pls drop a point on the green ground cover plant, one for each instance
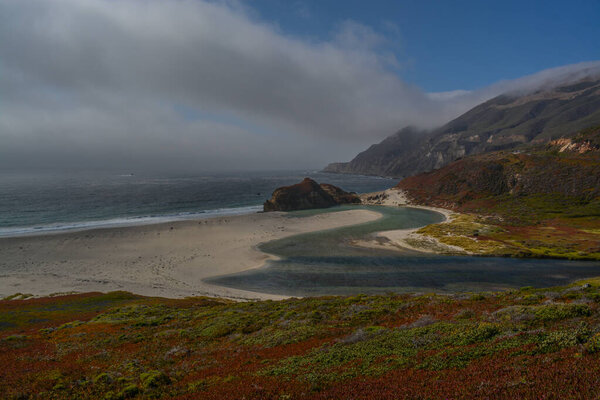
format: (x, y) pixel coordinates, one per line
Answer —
(121, 346)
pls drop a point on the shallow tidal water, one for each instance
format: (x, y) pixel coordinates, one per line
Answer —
(325, 263)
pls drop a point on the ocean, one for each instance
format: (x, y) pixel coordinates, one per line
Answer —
(44, 202)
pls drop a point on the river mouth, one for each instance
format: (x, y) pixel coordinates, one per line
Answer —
(326, 263)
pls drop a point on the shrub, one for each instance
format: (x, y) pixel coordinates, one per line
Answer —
(477, 333)
(557, 340)
(358, 335)
(593, 345)
(594, 296)
(515, 313)
(532, 298)
(15, 337)
(556, 312)
(71, 324)
(452, 359)
(103, 378)
(467, 313)
(154, 379)
(423, 321)
(217, 330)
(128, 392)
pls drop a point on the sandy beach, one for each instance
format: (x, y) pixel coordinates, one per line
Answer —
(168, 260)
(399, 239)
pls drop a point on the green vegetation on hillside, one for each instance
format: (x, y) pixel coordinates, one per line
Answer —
(540, 202)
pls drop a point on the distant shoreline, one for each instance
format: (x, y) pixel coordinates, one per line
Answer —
(81, 226)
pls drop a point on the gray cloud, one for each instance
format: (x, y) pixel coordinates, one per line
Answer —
(195, 84)
(547, 79)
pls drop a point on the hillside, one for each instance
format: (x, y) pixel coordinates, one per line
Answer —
(383, 158)
(565, 167)
(508, 121)
(465, 346)
(542, 201)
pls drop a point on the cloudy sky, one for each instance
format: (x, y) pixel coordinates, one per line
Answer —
(209, 85)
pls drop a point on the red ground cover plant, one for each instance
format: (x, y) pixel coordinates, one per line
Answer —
(528, 343)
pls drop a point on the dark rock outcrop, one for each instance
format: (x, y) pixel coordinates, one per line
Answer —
(308, 194)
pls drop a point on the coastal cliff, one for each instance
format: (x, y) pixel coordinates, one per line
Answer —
(539, 202)
(566, 167)
(308, 194)
(507, 122)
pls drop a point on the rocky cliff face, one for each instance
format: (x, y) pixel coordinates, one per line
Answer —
(509, 121)
(569, 168)
(385, 158)
(308, 194)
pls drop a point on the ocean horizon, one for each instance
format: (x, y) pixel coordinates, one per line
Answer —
(47, 202)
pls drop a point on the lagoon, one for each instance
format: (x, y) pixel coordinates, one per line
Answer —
(326, 263)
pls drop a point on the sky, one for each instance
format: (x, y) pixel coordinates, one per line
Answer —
(226, 85)
(458, 44)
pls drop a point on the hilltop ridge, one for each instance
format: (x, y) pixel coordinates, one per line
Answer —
(510, 121)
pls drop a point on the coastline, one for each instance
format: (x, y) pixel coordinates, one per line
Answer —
(406, 239)
(469, 234)
(125, 222)
(169, 259)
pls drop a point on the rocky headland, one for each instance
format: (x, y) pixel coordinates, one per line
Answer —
(308, 194)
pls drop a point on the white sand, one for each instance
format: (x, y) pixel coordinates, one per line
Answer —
(401, 239)
(389, 197)
(168, 260)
